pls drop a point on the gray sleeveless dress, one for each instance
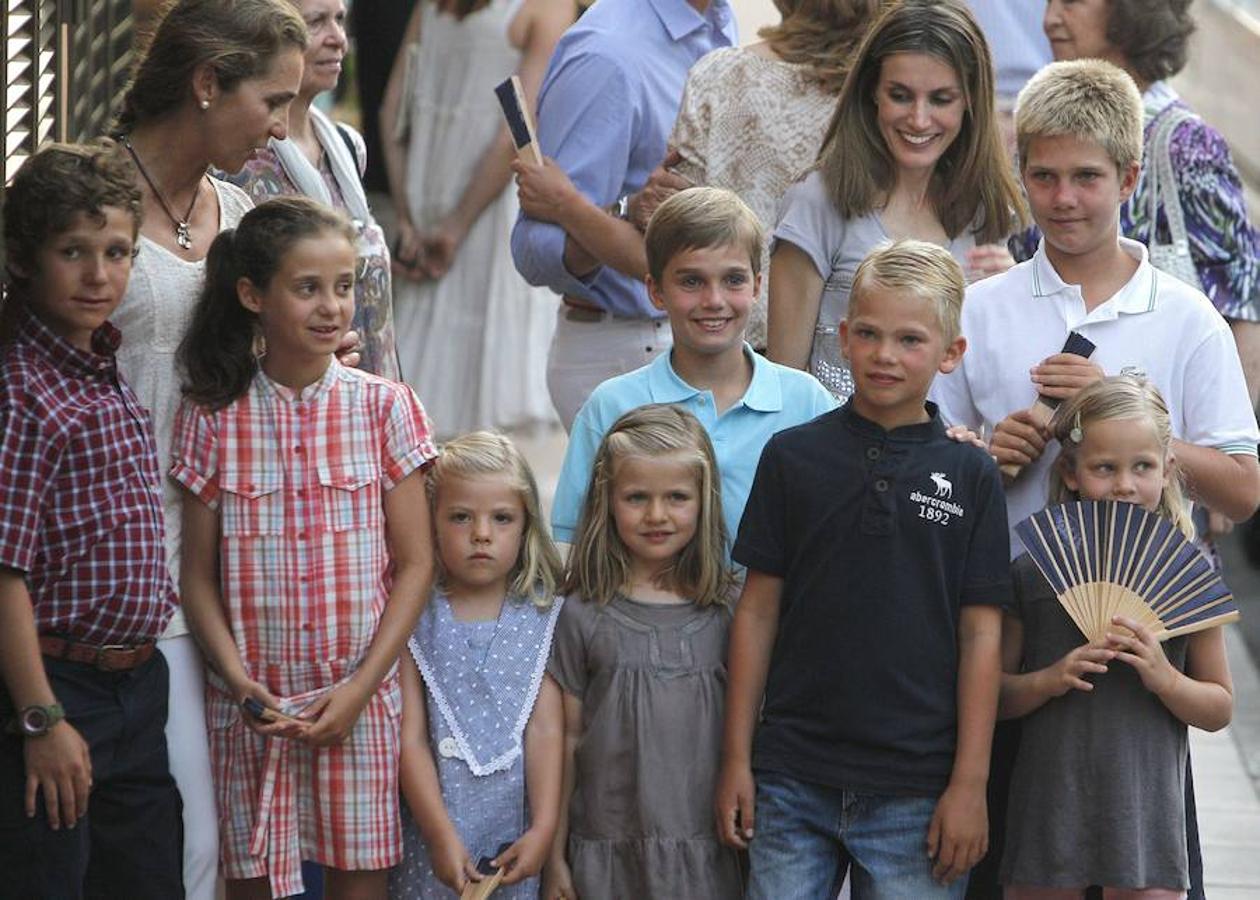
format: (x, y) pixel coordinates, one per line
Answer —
(481, 680)
(809, 220)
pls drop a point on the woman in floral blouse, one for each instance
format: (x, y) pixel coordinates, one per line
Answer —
(324, 160)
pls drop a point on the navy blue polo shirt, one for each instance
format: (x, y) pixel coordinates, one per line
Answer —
(880, 538)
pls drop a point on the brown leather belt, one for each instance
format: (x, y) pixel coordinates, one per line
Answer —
(107, 658)
(576, 310)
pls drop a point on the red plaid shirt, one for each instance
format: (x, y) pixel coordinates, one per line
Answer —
(80, 493)
(298, 480)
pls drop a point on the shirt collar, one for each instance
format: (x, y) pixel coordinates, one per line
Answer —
(64, 356)
(1138, 295)
(764, 393)
(918, 433)
(681, 19)
(312, 391)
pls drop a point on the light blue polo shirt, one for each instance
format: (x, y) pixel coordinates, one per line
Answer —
(778, 397)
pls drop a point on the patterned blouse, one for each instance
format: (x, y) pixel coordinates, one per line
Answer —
(1224, 245)
(751, 125)
(264, 177)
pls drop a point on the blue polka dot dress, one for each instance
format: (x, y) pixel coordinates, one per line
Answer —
(481, 680)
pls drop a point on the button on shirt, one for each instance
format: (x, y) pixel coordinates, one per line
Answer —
(80, 494)
(777, 397)
(605, 111)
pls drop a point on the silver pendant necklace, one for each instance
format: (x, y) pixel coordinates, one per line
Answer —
(183, 233)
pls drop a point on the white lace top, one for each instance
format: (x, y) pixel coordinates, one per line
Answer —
(751, 125)
(153, 316)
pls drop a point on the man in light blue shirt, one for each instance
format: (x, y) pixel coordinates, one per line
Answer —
(605, 111)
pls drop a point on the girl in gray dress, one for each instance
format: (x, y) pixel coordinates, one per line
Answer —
(1097, 796)
(640, 653)
(482, 726)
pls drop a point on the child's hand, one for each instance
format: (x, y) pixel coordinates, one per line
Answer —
(961, 434)
(1068, 673)
(1017, 440)
(525, 858)
(1063, 374)
(544, 191)
(557, 881)
(734, 805)
(334, 715)
(451, 862)
(282, 728)
(958, 837)
(59, 764)
(1145, 654)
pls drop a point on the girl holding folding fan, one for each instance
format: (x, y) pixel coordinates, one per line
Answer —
(1097, 796)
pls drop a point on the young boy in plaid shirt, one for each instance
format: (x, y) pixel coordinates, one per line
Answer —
(87, 802)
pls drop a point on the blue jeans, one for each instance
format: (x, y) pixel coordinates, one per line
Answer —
(805, 835)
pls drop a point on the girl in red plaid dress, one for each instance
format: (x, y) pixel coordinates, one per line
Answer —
(306, 557)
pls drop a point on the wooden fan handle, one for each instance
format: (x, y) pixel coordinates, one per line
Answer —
(480, 890)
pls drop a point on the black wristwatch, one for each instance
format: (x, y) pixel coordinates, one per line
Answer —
(36, 721)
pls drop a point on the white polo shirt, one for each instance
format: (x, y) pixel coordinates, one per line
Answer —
(1155, 323)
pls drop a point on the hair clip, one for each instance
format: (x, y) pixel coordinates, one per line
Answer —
(1076, 435)
(1136, 372)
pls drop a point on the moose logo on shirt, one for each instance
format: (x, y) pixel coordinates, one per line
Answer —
(937, 507)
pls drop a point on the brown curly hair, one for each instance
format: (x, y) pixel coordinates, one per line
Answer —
(57, 183)
(1153, 35)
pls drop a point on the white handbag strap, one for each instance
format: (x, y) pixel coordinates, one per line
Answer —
(1163, 181)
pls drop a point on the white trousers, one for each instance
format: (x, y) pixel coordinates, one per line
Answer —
(591, 347)
(189, 750)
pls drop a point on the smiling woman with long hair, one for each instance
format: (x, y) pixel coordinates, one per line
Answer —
(912, 151)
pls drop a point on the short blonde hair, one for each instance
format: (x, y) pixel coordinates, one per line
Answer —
(699, 218)
(599, 564)
(538, 570)
(919, 268)
(1088, 99)
(1117, 397)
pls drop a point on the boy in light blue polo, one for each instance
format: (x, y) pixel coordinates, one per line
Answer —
(704, 257)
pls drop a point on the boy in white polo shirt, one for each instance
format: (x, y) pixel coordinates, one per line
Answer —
(1079, 132)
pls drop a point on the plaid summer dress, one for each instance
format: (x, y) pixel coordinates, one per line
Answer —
(298, 482)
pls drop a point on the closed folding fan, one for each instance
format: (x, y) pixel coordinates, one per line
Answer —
(1105, 559)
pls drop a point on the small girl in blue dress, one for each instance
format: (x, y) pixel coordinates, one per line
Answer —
(482, 725)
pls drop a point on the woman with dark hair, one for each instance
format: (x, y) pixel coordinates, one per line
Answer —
(752, 118)
(214, 83)
(913, 151)
(1197, 181)
(325, 160)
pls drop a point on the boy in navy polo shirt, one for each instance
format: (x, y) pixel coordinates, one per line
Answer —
(84, 590)
(870, 622)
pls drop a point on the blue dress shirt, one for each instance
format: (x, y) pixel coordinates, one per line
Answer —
(605, 111)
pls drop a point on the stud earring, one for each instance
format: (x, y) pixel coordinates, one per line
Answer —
(205, 104)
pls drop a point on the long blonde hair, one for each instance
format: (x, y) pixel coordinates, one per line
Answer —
(973, 183)
(599, 564)
(1127, 397)
(538, 570)
(821, 35)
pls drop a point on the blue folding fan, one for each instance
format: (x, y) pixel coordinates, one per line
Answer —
(1104, 559)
